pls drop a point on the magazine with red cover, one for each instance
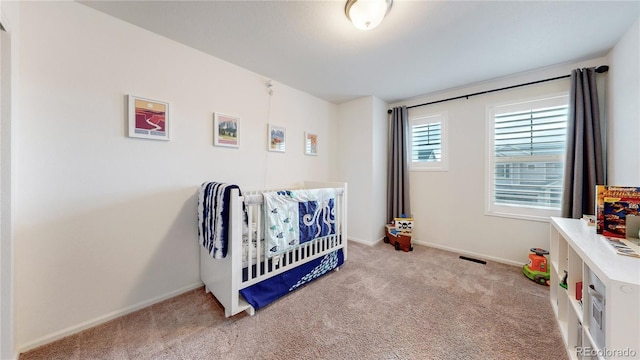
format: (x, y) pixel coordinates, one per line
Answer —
(618, 202)
(600, 190)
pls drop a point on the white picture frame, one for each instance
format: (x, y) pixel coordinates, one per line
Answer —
(310, 143)
(148, 119)
(226, 130)
(277, 138)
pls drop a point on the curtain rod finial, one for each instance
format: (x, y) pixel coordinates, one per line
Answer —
(602, 69)
(389, 111)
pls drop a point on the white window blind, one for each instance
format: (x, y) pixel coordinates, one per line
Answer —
(527, 157)
(427, 143)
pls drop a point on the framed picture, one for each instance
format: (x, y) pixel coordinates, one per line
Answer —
(310, 143)
(148, 119)
(226, 130)
(277, 138)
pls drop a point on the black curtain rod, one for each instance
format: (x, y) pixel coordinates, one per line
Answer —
(599, 69)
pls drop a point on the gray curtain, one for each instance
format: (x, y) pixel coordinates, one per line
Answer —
(584, 167)
(398, 167)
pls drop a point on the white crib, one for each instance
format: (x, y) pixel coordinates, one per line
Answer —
(224, 277)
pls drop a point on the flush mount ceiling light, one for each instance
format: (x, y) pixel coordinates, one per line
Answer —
(367, 14)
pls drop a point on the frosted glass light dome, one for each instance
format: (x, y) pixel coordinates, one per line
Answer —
(367, 14)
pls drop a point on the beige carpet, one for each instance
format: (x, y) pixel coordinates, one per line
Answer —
(382, 304)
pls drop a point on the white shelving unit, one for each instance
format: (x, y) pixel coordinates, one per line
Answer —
(606, 323)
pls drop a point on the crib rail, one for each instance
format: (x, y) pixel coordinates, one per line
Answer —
(256, 198)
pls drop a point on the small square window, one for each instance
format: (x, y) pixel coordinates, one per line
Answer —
(427, 143)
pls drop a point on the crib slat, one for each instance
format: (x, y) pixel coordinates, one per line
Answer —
(259, 264)
(250, 245)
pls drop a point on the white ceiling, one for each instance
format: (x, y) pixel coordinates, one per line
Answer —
(421, 47)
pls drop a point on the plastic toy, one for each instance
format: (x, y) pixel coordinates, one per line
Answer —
(404, 224)
(563, 282)
(400, 240)
(537, 269)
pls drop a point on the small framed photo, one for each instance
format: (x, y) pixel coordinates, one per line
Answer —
(277, 138)
(148, 119)
(226, 130)
(310, 143)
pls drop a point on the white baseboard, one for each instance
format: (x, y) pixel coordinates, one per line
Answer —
(360, 241)
(104, 318)
(468, 253)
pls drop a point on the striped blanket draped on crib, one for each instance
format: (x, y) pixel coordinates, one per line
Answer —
(213, 217)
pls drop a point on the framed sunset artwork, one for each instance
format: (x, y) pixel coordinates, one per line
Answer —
(148, 119)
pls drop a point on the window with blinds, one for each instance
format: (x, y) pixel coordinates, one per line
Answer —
(527, 154)
(427, 142)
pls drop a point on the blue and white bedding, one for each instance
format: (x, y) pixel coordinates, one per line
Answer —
(269, 290)
(295, 217)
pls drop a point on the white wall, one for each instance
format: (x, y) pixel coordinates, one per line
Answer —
(449, 206)
(362, 143)
(355, 138)
(8, 64)
(624, 110)
(6, 245)
(379, 152)
(105, 223)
